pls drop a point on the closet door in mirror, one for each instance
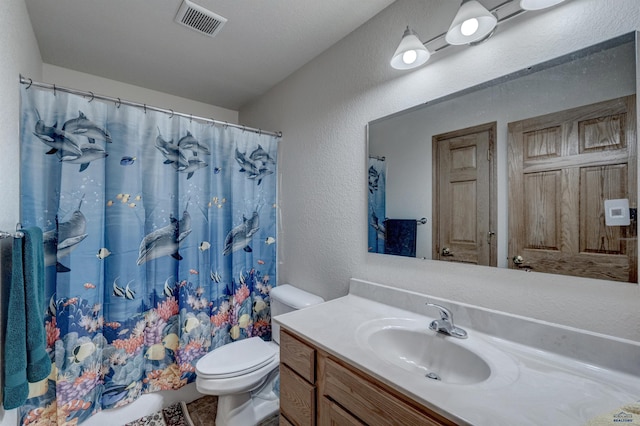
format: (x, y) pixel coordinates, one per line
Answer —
(562, 166)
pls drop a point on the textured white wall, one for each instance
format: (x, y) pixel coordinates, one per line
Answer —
(19, 54)
(78, 80)
(323, 109)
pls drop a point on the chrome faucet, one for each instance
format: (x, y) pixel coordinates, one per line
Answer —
(445, 324)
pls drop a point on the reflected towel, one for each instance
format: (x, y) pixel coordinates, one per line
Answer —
(25, 356)
(400, 237)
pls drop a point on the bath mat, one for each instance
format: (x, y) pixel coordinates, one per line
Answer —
(174, 415)
(201, 412)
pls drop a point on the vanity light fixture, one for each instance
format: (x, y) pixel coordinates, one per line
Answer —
(411, 53)
(472, 25)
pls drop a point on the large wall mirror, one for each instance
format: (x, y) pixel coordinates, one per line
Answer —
(534, 171)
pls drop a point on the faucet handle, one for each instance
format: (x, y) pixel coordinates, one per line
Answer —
(445, 314)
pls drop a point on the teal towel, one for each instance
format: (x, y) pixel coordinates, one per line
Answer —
(25, 356)
(16, 388)
(38, 362)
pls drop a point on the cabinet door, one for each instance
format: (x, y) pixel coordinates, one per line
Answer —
(297, 398)
(331, 414)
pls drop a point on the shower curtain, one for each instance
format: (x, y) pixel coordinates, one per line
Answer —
(159, 240)
(377, 206)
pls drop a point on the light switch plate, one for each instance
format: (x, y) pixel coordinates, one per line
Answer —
(616, 212)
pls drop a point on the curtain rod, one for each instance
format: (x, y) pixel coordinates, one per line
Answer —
(29, 82)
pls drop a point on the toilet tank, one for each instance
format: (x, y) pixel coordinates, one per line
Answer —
(286, 298)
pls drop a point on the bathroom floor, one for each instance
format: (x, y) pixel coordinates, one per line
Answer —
(203, 412)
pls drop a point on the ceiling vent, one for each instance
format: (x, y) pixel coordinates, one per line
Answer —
(199, 19)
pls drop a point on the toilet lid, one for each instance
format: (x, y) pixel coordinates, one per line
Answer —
(236, 358)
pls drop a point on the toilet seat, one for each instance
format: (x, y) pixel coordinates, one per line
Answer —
(236, 359)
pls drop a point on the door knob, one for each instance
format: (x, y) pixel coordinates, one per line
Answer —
(446, 251)
(518, 260)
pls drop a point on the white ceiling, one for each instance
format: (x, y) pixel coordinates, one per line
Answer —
(137, 42)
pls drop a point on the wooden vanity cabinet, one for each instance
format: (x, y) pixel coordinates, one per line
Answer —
(319, 389)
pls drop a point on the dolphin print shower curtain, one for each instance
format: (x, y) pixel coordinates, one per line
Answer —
(377, 204)
(159, 246)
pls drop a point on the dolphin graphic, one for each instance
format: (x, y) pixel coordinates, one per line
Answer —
(171, 152)
(59, 242)
(259, 154)
(166, 240)
(253, 169)
(193, 165)
(378, 226)
(57, 139)
(374, 176)
(190, 143)
(240, 236)
(82, 126)
(90, 152)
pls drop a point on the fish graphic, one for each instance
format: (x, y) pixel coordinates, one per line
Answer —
(102, 253)
(215, 277)
(204, 245)
(269, 240)
(82, 126)
(128, 293)
(189, 143)
(155, 352)
(240, 236)
(166, 240)
(167, 290)
(82, 352)
(117, 290)
(190, 323)
(57, 139)
(171, 341)
(59, 242)
(127, 161)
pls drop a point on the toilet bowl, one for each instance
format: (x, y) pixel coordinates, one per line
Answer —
(244, 374)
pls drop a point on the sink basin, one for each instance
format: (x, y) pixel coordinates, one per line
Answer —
(433, 356)
(418, 353)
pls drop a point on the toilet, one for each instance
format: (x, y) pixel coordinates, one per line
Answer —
(243, 373)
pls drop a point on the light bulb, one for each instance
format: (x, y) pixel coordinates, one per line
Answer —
(469, 27)
(409, 57)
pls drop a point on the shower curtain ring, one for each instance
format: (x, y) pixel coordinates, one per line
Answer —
(119, 103)
(171, 116)
(226, 124)
(244, 128)
(190, 118)
(54, 90)
(259, 132)
(145, 108)
(92, 97)
(30, 83)
(213, 122)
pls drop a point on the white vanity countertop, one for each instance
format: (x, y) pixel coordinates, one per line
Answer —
(538, 387)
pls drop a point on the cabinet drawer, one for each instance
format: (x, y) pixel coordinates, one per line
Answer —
(332, 414)
(284, 421)
(299, 356)
(297, 398)
(371, 402)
